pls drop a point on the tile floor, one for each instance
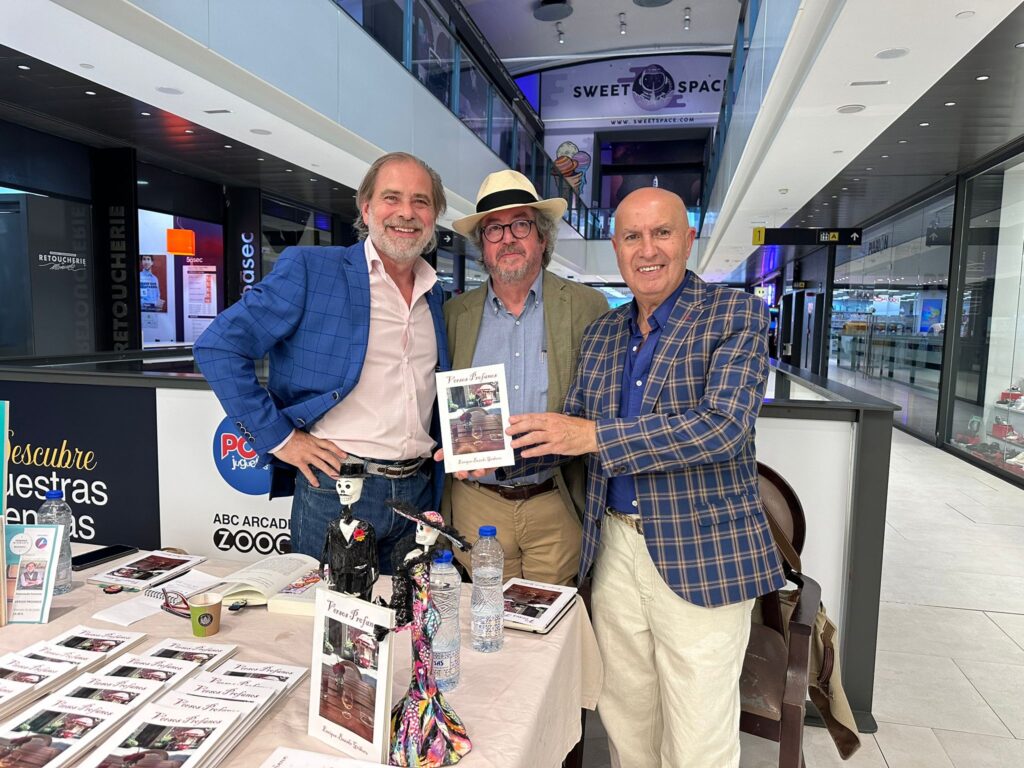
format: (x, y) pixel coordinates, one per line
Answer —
(949, 679)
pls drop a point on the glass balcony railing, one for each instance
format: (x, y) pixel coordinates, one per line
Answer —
(428, 42)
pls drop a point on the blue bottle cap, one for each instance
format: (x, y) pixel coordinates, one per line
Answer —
(54, 495)
(444, 556)
(488, 530)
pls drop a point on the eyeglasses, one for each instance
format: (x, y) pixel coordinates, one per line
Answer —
(176, 603)
(520, 228)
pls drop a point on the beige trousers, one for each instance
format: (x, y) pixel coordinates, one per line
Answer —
(539, 536)
(671, 668)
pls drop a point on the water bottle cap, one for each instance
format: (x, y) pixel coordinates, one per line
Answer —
(444, 556)
(488, 530)
(54, 495)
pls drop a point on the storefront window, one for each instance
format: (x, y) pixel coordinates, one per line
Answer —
(473, 95)
(383, 19)
(287, 224)
(889, 311)
(988, 408)
(432, 51)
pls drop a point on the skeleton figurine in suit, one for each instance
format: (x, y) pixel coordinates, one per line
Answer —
(350, 547)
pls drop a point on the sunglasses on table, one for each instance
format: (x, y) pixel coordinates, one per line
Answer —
(175, 603)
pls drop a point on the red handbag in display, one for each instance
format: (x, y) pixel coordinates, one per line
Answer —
(1001, 430)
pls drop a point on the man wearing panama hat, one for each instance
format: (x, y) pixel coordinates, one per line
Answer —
(531, 321)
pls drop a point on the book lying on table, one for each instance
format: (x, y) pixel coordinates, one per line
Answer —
(125, 691)
(170, 671)
(146, 569)
(297, 598)
(261, 581)
(91, 647)
(533, 606)
(287, 757)
(285, 673)
(57, 731)
(26, 679)
(207, 655)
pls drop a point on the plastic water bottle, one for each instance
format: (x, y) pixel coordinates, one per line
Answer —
(55, 511)
(488, 605)
(445, 588)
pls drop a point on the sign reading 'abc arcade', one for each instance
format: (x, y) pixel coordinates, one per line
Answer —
(647, 91)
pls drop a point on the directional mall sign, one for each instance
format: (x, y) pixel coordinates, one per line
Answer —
(768, 236)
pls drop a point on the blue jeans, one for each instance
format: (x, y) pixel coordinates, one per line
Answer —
(313, 508)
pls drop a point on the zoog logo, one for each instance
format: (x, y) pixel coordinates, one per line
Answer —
(236, 461)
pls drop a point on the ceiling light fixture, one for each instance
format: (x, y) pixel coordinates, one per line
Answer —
(1019, 45)
(924, 125)
(963, 15)
(141, 182)
(686, 18)
(259, 131)
(312, 179)
(84, 65)
(287, 170)
(189, 131)
(981, 78)
(622, 23)
(145, 114)
(850, 109)
(885, 157)
(902, 141)
(862, 83)
(837, 151)
(552, 10)
(170, 91)
(949, 104)
(651, 3)
(869, 168)
(90, 93)
(561, 34)
(892, 53)
(24, 67)
(261, 159)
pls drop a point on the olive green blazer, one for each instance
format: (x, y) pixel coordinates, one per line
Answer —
(569, 308)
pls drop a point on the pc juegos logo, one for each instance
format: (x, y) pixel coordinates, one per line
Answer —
(236, 461)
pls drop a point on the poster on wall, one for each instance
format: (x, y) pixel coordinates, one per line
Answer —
(152, 280)
(96, 444)
(655, 91)
(200, 299)
(223, 510)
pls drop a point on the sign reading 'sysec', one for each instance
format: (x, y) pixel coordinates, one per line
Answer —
(97, 445)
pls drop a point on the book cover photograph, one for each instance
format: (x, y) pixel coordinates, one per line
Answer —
(124, 691)
(534, 605)
(148, 569)
(55, 731)
(350, 686)
(150, 668)
(474, 419)
(208, 655)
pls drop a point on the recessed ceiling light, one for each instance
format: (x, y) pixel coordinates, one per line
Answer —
(1019, 45)
(24, 67)
(837, 151)
(145, 114)
(90, 93)
(924, 125)
(259, 131)
(902, 141)
(314, 165)
(287, 170)
(261, 159)
(189, 130)
(869, 169)
(884, 157)
(227, 146)
(892, 53)
(334, 188)
(169, 90)
(84, 65)
(981, 78)
(824, 203)
(783, 190)
(963, 15)
(850, 109)
(843, 189)
(856, 179)
(142, 182)
(862, 83)
(949, 104)
(312, 179)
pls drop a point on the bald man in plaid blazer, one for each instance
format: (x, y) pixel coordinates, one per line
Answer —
(663, 404)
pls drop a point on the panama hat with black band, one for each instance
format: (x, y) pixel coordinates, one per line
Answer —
(503, 190)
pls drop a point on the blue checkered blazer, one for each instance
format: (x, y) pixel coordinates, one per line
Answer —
(311, 315)
(691, 451)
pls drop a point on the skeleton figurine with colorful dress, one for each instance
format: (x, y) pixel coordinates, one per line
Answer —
(425, 731)
(350, 547)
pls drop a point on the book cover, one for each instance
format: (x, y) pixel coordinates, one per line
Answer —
(207, 655)
(30, 566)
(474, 418)
(123, 691)
(297, 598)
(147, 569)
(169, 671)
(107, 642)
(350, 686)
(56, 731)
(286, 673)
(535, 606)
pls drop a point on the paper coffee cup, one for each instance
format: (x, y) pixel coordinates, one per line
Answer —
(205, 611)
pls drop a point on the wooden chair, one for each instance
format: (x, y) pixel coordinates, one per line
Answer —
(773, 685)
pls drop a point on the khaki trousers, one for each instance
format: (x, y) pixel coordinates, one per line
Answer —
(671, 668)
(540, 537)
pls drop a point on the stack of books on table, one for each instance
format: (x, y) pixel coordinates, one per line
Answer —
(24, 679)
(198, 723)
(85, 647)
(206, 655)
(58, 730)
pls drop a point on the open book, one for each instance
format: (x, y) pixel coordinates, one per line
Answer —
(259, 582)
(534, 606)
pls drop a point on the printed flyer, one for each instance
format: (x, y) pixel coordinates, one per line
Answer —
(30, 565)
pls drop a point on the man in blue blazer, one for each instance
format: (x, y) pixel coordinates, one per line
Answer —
(354, 336)
(663, 406)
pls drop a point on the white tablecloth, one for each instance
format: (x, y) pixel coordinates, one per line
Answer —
(521, 706)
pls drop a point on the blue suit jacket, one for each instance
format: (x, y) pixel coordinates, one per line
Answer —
(691, 452)
(311, 315)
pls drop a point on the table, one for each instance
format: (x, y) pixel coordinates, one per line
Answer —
(521, 706)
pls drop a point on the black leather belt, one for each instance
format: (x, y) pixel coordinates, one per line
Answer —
(519, 492)
(393, 470)
(633, 521)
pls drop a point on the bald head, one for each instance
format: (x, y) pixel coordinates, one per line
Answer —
(652, 243)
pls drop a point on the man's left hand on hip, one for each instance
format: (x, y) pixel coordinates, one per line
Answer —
(542, 434)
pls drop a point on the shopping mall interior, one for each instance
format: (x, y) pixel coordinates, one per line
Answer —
(853, 163)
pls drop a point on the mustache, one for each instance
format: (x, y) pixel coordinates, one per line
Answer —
(505, 250)
(398, 221)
